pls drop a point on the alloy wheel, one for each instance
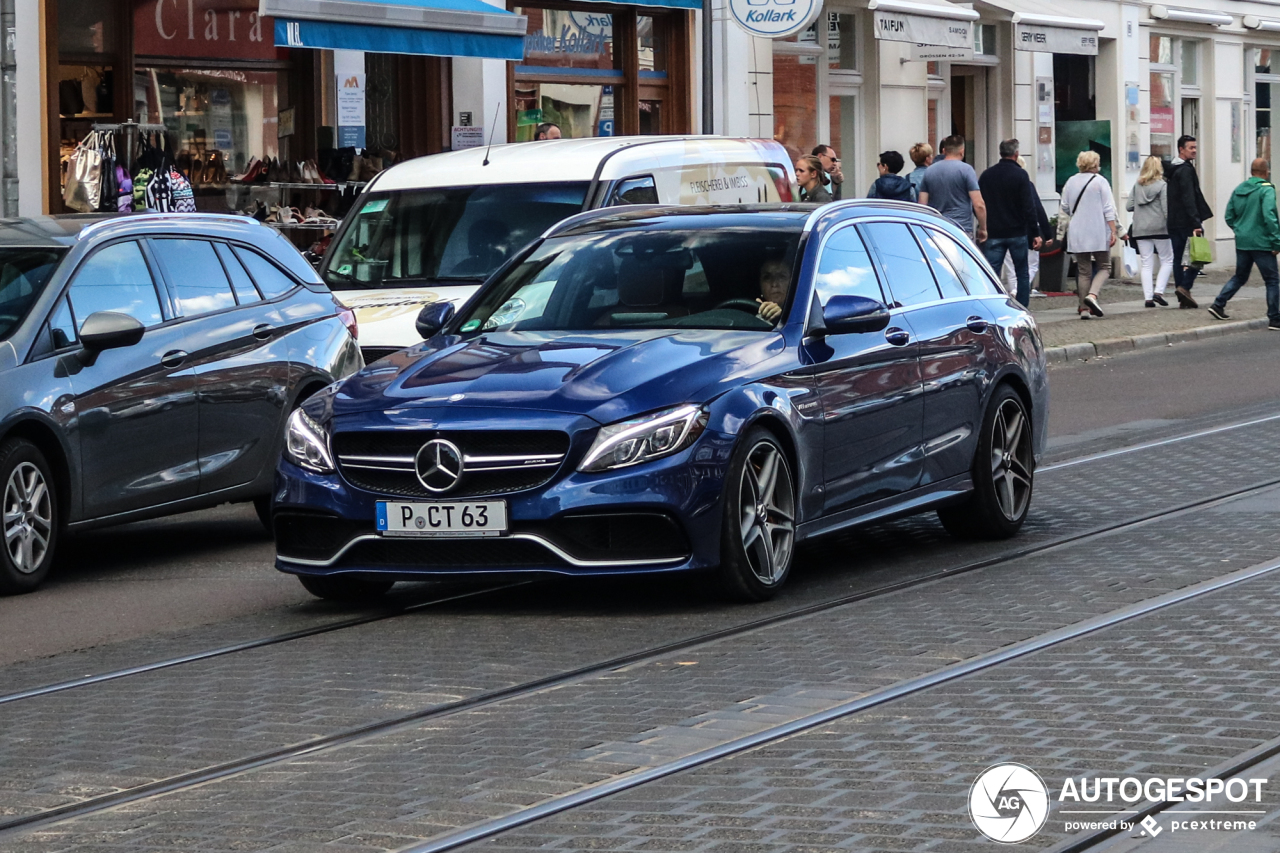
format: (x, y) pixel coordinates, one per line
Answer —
(767, 512)
(28, 517)
(1011, 459)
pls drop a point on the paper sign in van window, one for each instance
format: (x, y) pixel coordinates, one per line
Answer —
(376, 206)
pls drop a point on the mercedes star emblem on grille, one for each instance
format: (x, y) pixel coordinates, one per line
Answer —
(438, 465)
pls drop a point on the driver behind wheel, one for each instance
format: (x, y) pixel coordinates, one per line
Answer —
(775, 280)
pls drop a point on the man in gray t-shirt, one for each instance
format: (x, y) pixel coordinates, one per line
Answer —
(950, 186)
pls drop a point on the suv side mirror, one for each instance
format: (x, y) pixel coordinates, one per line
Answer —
(845, 315)
(432, 318)
(104, 330)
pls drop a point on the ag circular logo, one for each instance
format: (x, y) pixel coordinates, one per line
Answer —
(1008, 803)
(438, 465)
(775, 19)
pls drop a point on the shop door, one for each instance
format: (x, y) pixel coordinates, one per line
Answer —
(1191, 117)
(969, 112)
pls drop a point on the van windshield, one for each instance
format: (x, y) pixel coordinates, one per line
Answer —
(412, 238)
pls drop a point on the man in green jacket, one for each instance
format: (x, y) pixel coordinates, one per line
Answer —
(1251, 214)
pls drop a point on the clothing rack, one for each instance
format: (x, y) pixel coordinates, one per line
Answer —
(130, 129)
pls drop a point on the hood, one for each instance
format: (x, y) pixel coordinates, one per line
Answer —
(607, 375)
(1249, 187)
(1144, 193)
(892, 185)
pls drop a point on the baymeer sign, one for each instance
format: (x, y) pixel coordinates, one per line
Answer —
(774, 19)
(1055, 40)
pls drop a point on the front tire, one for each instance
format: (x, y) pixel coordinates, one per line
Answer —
(30, 517)
(1003, 474)
(345, 589)
(757, 542)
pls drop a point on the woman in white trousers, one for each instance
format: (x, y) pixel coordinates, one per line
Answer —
(1149, 203)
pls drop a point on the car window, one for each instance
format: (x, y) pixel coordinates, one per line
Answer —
(845, 269)
(197, 281)
(635, 191)
(948, 281)
(269, 277)
(62, 326)
(240, 281)
(116, 278)
(909, 278)
(971, 272)
(23, 275)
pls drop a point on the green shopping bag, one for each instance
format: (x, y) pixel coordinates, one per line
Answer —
(1201, 254)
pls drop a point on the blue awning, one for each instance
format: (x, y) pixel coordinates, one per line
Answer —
(425, 27)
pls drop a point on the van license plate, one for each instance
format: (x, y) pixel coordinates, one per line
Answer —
(453, 520)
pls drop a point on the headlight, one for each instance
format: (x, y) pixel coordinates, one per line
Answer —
(306, 443)
(642, 439)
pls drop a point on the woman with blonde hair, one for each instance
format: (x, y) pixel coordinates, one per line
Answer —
(1149, 203)
(922, 155)
(1087, 203)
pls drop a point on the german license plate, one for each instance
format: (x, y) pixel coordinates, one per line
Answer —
(454, 520)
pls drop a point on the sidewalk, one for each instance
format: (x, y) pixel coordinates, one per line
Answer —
(1128, 325)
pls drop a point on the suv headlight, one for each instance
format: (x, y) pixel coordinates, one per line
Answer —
(644, 439)
(306, 443)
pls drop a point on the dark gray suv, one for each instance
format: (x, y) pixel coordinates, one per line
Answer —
(147, 366)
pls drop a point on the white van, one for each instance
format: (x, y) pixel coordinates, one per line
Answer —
(434, 228)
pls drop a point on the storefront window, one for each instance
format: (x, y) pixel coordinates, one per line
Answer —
(795, 99)
(649, 47)
(563, 47)
(86, 27)
(1266, 90)
(219, 119)
(842, 47)
(844, 114)
(1162, 118)
(1161, 50)
(1190, 65)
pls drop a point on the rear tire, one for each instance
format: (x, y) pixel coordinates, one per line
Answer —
(757, 542)
(339, 588)
(30, 522)
(1003, 474)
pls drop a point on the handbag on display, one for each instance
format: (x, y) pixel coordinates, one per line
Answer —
(124, 190)
(1064, 216)
(84, 176)
(181, 193)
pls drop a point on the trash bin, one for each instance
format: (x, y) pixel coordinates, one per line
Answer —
(1053, 269)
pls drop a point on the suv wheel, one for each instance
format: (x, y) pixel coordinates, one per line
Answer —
(30, 517)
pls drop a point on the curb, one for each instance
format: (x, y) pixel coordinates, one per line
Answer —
(1116, 346)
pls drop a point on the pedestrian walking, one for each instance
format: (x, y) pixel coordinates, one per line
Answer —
(1187, 212)
(546, 130)
(950, 186)
(1012, 225)
(890, 184)
(922, 155)
(1149, 204)
(1086, 200)
(809, 177)
(832, 176)
(1251, 214)
(1033, 256)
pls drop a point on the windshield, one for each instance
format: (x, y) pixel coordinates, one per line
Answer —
(23, 275)
(728, 278)
(415, 237)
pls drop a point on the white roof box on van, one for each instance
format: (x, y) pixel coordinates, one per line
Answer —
(607, 158)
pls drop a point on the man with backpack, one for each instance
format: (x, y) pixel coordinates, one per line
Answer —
(1251, 214)
(1187, 212)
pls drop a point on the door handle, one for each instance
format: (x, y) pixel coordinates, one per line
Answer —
(174, 358)
(897, 337)
(976, 324)
(263, 331)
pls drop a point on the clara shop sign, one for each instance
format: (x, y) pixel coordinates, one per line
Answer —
(203, 29)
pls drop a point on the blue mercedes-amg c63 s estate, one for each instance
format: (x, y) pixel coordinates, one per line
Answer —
(676, 389)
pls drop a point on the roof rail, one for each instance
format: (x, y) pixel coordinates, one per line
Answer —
(832, 207)
(106, 224)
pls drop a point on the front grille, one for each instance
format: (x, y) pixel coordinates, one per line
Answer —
(313, 536)
(496, 463)
(620, 536)
(372, 354)
(446, 554)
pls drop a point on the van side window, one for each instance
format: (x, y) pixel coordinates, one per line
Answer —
(635, 191)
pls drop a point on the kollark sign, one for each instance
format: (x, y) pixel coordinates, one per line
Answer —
(775, 19)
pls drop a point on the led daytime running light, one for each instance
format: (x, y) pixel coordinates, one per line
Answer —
(307, 443)
(637, 435)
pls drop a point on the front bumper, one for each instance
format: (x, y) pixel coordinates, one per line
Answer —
(660, 516)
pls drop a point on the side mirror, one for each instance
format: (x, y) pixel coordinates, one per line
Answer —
(432, 318)
(104, 330)
(846, 315)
